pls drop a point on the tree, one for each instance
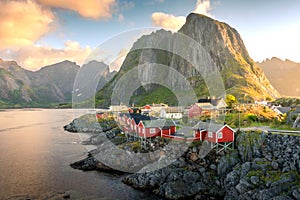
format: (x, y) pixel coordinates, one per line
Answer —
(230, 100)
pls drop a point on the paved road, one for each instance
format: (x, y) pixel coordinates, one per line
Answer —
(268, 129)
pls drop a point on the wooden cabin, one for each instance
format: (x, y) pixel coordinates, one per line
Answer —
(220, 136)
(154, 128)
(216, 133)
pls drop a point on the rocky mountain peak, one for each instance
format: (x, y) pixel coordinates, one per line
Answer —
(221, 40)
(241, 75)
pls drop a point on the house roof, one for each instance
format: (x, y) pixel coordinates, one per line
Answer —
(158, 123)
(138, 117)
(214, 102)
(147, 107)
(213, 127)
(205, 105)
(160, 105)
(284, 109)
(178, 109)
(204, 100)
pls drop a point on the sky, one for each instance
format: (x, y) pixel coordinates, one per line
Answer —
(37, 33)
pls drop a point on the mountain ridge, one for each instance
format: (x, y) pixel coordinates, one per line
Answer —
(283, 74)
(52, 84)
(241, 75)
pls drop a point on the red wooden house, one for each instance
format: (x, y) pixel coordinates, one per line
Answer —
(100, 115)
(154, 128)
(131, 121)
(198, 109)
(146, 109)
(217, 134)
(194, 111)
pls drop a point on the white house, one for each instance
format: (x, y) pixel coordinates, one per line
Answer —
(172, 112)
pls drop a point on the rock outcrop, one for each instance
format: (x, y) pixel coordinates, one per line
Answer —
(261, 166)
(266, 168)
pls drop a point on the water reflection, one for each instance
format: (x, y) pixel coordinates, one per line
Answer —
(35, 154)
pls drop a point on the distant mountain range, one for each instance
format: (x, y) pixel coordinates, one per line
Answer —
(242, 77)
(51, 85)
(283, 75)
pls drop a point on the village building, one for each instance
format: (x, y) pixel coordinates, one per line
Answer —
(145, 126)
(282, 110)
(263, 103)
(172, 112)
(101, 115)
(194, 111)
(200, 109)
(146, 109)
(220, 136)
(156, 108)
(118, 108)
(155, 128)
(219, 103)
(207, 107)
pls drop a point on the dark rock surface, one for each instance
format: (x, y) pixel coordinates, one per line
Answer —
(262, 166)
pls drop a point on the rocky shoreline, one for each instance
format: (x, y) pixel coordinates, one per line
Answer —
(262, 166)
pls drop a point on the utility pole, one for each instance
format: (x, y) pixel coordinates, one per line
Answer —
(239, 117)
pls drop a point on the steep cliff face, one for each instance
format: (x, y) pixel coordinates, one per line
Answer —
(14, 84)
(218, 41)
(241, 75)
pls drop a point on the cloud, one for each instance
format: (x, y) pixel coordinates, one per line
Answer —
(95, 9)
(170, 21)
(203, 7)
(34, 57)
(22, 23)
(167, 21)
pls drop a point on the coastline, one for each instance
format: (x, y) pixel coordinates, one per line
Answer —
(258, 168)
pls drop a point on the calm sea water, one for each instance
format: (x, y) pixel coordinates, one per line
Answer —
(35, 154)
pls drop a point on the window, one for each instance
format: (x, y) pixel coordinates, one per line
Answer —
(220, 135)
(152, 130)
(210, 134)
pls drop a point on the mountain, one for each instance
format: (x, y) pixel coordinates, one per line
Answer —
(241, 76)
(284, 75)
(54, 83)
(14, 84)
(51, 84)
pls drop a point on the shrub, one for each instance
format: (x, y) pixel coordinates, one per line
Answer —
(252, 117)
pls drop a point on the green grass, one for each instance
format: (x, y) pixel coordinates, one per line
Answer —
(159, 95)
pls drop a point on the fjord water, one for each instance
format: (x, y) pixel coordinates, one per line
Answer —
(35, 154)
